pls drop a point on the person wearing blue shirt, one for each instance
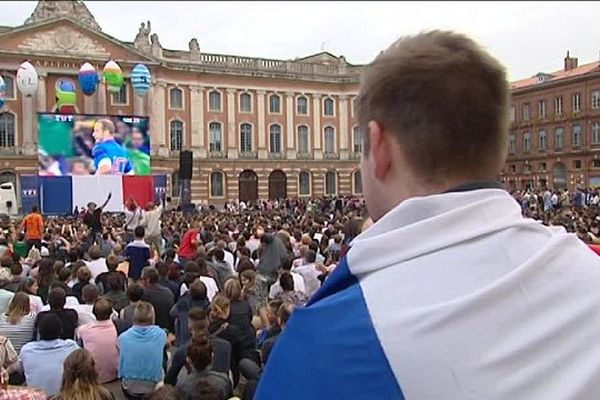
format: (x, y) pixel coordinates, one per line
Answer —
(110, 158)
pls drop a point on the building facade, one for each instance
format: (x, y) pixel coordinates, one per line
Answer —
(258, 128)
(554, 138)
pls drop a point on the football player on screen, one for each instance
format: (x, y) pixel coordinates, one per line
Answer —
(110, 158)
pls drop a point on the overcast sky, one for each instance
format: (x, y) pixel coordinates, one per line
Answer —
(528, 37)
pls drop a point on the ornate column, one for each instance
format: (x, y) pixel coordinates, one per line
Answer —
(41, 93)
(316, 131)
(263, 151)
(101, 98)
(344, 133)
(232, 149)
(138, 104)
(158, 124)
(27, 114)
(289, 122)
(197, 117)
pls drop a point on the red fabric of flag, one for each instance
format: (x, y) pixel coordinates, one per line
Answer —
(138, 188)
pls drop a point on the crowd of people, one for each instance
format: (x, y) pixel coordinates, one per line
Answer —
(157, 299)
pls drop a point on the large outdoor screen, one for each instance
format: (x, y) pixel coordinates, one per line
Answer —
(93, 145)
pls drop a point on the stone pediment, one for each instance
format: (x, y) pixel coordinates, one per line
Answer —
(63, 40)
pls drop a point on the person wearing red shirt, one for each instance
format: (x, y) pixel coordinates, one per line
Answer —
(189, 246)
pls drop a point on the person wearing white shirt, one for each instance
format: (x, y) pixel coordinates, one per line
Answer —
(211, 287)
(97, 264)
(309, 272)
(299, 285)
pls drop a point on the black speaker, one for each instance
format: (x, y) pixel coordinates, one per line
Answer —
(185, 164)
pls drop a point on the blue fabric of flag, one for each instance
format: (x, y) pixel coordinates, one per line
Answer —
(29, 193)
(56, 194)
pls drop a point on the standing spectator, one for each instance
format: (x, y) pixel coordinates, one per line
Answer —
(43, 360)
(18, 322)
(189, 245)
(151, 222)
(100, 339)
(273, 254)
(33, 225)
(138, 254)
(93, 219)
(133, 219)
(68, 317)
(80, 379)
(141, 353)
(159, 296)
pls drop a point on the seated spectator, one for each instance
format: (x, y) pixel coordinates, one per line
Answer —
(240, 313)
(310, 273)
(97, 263)
(84, 311)
(68, 317)
(18, 323)
(195, 297)
(165, 392)
(272, 328)
(116, 294)
(30, 287)
(141, 353)
(80, 379)
(286, 267)
(288, 294)
(218, 263)
(70, 302)
(159, 296)
(134, 295)
(112, 263)
(43, 360)
(163, 279)
(5, 295)
(247, 278)
(45, 277)
(84, 277)
(16, 271)
(198, 323)
(200, 357)
(195, 270)
(138, 254)
(100, 339)
(20, 246)
(9, 359)
(283, 315)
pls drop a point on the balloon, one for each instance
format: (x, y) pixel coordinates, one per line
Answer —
(88, 79)
(141, 79)
(27, 79)
(113, 76)
(66, 96)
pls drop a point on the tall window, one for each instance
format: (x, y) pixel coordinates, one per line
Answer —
(120, 98)
(596, 133)
(328, 107)
(526, 112)
(542, 144)
(214, 101)
(329, 140)
(302, 139)
(542, 109)
(176, 98)
(513, 113)
(559, 137)
(595, 98)
(275, 104)
(275, 139)
(246, 102)
(304, 183)
(527, 141)
(330, 183)
(558, 105)
(217, 184)
(176, 135)
(216, 136)
(357, 139)
(7, 130)
(302, 105)
(576, 102)
(576, 135)
(357, 178)
(10, 87)
(245, 137)
(512, 143)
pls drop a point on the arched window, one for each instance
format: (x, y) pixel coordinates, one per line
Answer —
(329, 140)
(275, 139)
(559, 136)
(275, 104)
(246, 102)
(214, 101)
(7, 130)
(303, 139)
(176, 135)
(330, 183)
(357, 139)
(357, 179)
(176, 99)
(245, 137)
(304, 183)
(9, 80)
(328, 107)
(217, 184)
(216, 136)
(175, 184)
(302, 105)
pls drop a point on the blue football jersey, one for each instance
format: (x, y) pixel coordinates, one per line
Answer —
(113, 152)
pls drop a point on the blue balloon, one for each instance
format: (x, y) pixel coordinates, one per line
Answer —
(88, 79)
(141, 80)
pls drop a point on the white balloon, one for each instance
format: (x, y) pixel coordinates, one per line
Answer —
(27, 79)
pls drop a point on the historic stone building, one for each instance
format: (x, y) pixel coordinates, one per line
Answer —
(257, 127)
(554, 139)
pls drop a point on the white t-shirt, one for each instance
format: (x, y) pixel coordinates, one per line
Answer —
(211, 287)
(97, 266)
(298, 286)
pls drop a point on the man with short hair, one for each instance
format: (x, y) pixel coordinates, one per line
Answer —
(151, 221)
(194, 297)
(56, 299)
(93, 220)
(43, 360)
(33, 225)
(110, 157)
(100, 339)
(138, 254)
(159, 296)
(453, 293)
(286, 267)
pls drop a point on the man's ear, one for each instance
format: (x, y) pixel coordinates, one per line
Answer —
(380, 149)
